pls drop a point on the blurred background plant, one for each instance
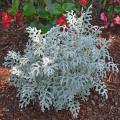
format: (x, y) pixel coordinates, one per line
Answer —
(106, 13)
(110, 13)
(1, 3)
(44, 14)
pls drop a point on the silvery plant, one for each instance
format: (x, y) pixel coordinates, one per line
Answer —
(62, 65)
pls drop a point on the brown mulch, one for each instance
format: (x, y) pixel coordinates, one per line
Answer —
(12, 40)
(96, 108)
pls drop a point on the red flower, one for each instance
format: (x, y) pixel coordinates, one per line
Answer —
(6, 20)
(83, 2)
(61, 20)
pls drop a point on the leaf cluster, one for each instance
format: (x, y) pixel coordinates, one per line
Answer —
(42, 13)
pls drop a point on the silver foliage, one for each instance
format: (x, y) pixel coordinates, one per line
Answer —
(61, 65)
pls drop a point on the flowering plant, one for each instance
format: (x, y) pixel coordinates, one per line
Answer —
(61, 20)
(43, 14)
(83, 2)
(6, 20)
(110, 14)
(60, 66)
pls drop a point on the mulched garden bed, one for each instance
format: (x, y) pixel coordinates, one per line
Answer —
(96, 108)
(12, 40)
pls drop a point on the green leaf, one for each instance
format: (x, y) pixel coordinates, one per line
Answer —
(33, 23)
(47, 2)
(54, 9)
(28, 9)
(68, 1)
(44, 28)
(14, 9)
(64, 1)
(110, 9)
(104, 3)
(68, 6)
(1, 2)
(117, 9)
(38, 25)
(43, 13)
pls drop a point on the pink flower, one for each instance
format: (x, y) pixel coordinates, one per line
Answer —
(116, 20)
(103, 17)
(112, 24)
(106, 25)
(116, 0)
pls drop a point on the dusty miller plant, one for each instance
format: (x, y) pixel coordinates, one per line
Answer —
(61, 65)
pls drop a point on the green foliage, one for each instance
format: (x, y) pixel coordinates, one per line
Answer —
(2, 3)
(117, 9)
(59, 66)
(54, 9)
(42, 12)
(68, 6)
(47, 10)
(29, 9)
(15, 6)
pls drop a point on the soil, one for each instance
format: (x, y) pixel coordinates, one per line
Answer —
(96, 108)
(12, 40)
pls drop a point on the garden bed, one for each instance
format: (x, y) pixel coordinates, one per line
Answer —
(12, 40)
(96, 108)
(15, 38)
